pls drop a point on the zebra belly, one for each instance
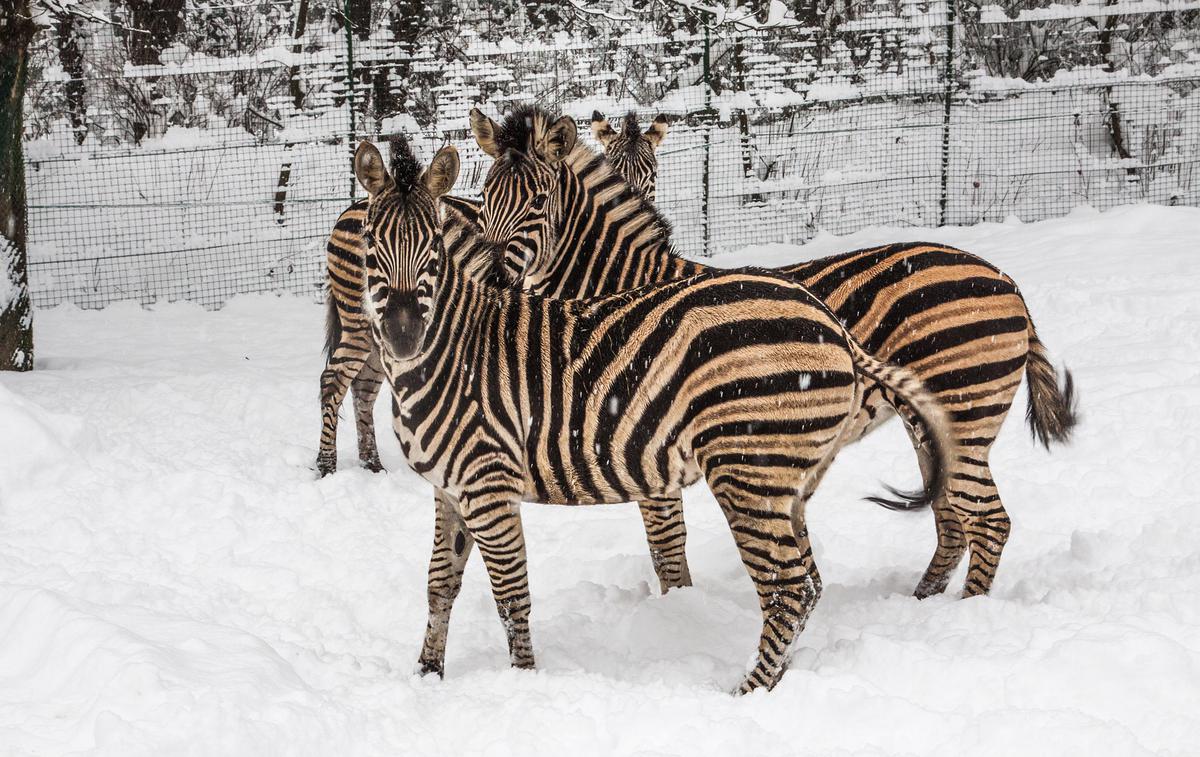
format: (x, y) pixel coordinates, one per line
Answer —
(589, 480)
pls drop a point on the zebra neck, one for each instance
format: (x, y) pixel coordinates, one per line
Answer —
(609, 238)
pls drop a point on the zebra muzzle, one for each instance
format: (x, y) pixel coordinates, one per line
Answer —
(402, 326)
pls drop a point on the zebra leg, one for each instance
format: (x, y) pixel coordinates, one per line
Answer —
(493, 518)
(986, 525)
(765, 530)
(666, 534)
(365, 389)
(342, 366)
(452, 545)
(951, 542)
(973, 495)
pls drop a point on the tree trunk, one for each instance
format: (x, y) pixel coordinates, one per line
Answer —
(298, 26)
(70, 56)
(285, 170)
(16, 314)
(1112, 110)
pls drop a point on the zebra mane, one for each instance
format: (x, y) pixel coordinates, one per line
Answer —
(519, 125)
(405, 168)
(515, 138)
(632, 129)
(583, 161)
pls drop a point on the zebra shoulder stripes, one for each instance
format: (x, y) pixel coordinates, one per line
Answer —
(632, 152)
(500, 396)
(570, 226)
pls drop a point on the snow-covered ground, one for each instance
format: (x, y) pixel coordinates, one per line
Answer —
(174, 579)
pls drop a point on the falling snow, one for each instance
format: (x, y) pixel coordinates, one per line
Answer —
(175, 579)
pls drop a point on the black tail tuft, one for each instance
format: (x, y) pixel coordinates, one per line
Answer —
(597, 115)
(928, 425)
(1052, 413)
(917, 499)
(333, 326)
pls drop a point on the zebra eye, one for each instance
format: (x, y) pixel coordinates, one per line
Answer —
(539, 202)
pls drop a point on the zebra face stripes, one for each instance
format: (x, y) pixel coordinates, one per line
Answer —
(631, 151)
(400, 243)
(512, 397)
(623, 218)
(520, 216)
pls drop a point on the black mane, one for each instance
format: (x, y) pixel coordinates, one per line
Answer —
(516, 135)
(405, 168)
(632, 129)
(516, 132)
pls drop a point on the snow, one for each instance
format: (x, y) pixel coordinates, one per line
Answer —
(174, 579)
(995, 14)
(9, 289)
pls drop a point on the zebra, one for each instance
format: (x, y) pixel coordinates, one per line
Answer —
(500, 396)
(352, 365)
(571, 227)
(351, 360)
(631, 151)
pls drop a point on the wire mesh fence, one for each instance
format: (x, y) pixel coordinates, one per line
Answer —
(191, 150)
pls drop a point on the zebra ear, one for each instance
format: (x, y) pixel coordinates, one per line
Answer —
(559, 140)
(485, 130)
(657, 131)
(601, 130)
(443, 171)
(370, 170)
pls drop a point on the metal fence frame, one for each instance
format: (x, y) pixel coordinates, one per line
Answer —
(950, 111)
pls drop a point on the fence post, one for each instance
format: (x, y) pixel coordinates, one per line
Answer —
(948, 96)
(708, 121)
(350, 89)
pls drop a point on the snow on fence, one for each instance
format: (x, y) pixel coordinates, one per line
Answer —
(206, 170)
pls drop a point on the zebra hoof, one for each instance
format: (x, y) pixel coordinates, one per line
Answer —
(373, 465)
(931, 587)
(326, 464)
(748, 686)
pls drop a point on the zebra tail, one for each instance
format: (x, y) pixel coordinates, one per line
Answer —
(333, 326)
(1052, 413)
(906, 392)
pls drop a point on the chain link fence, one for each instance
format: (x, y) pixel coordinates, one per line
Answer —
(189, 150)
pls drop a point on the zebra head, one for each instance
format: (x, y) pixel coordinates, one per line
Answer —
(402, 241)
(521, 201)
(632, 151)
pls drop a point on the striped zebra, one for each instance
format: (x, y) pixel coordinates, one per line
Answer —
(501, 396)
(352, 365)
(631, 151)
(351, 360)
(571, 227)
